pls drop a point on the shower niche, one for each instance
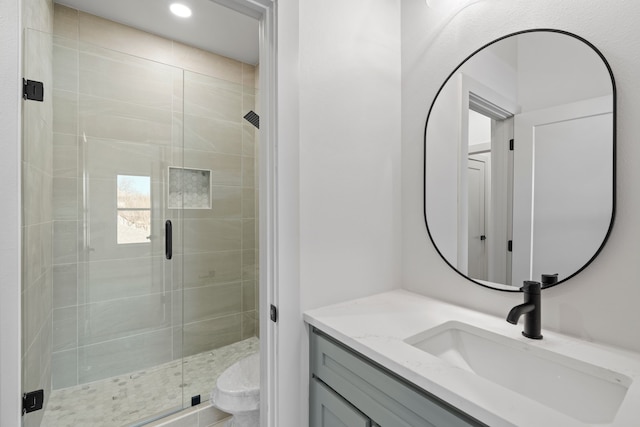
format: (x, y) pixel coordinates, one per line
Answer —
(189, 188)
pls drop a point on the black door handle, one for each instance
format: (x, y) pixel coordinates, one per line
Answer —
(168, 239)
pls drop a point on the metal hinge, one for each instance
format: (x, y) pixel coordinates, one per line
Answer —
(32, 401)
(511, 145)
(32, 90)
(274, 313)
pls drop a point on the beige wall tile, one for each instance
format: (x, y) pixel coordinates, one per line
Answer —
(225, 169)
(65, 22)
(211, 334)
(249, 295)
(38, 14)
(248, 102)
(33, 250)
(120, 356)
(248, 203)
(207, 235)
(35, 183)
(106, 159)
(34, 299)
(257, 78)
(109, 320)
(207, 268)
(209, 302)
(203, 62)
(122, 278)
(249, 264)
(209, 97)
(113, 75)
(121, 38)
(104, 118)
(65, 68)
(248, 140)
(65, 285)
(249, 76)
(226, 203)
(65, 242)
(65, 112)
(248, 324)
(65, 199)
(207, 134)
(248, 172)
(65, 325)
(248, 234)
(64, 369)
(65, 153)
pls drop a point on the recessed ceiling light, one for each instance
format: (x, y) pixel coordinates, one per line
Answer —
(180, 10)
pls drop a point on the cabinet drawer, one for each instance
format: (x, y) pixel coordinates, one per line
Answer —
(384, 397)
(327, 409)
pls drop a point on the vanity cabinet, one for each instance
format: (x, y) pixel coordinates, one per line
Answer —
(347, 389)
(331, 410)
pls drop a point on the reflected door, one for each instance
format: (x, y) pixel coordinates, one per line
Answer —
(477, 233)
(561, 192)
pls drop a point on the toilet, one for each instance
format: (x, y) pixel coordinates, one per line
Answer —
(237, 392)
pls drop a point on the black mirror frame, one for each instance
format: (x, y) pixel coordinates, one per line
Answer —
(614, 196)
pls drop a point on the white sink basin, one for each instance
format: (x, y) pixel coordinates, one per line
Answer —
(583, 391)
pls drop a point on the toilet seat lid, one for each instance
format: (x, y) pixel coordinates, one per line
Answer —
(241, 378)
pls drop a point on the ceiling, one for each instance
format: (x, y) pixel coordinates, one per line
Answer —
(212, 27)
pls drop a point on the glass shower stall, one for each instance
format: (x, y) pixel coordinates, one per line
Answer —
(139, 232)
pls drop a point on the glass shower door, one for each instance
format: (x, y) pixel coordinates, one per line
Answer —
(97, 159)
(129, 313)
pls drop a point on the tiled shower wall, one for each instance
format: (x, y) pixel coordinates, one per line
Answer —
(122, 102)
(37, 17)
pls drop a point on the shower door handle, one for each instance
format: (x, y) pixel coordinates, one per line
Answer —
(168, 239)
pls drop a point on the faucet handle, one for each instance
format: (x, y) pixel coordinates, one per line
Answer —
(531, 287)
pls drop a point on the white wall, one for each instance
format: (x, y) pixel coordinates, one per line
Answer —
(10, 101)
(548, 75)
(600, 303)
(288, 333)
(349, 149)
(349, 163)
(442, 175)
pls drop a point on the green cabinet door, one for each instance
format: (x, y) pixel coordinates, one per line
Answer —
(328, 409)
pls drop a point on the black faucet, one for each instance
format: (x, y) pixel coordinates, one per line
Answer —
(532, 310)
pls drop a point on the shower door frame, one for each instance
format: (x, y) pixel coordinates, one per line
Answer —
(271, 342)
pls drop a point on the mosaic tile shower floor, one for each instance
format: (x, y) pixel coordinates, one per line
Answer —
(126, 399)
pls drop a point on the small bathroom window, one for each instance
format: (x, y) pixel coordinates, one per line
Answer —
(133, 209)
(189, 188)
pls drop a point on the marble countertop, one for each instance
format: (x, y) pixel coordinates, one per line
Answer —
(377, 326)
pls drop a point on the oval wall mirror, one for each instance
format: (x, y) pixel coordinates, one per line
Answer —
(519, 168)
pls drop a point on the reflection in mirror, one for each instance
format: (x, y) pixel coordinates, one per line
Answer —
(519, 160)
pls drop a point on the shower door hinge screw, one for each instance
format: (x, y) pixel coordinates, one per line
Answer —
(274, 313)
